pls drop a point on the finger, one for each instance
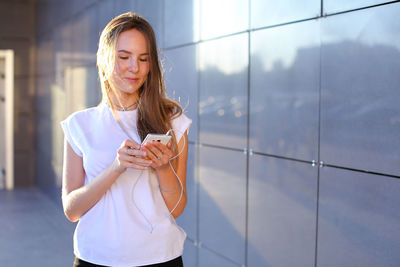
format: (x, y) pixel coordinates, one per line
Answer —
(135, 152)
(133, 165)
(151, 154)
(151, 159)
(130, 151)
(158, 159)
(131, 143)
(124, 158)
(138, 166)
(157, 147)
(163, 149)
(151, 148)
(142, 161)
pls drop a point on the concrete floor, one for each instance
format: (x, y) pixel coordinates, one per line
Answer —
(33, 231)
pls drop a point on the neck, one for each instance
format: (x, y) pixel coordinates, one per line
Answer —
(124, 102)
(125, 108)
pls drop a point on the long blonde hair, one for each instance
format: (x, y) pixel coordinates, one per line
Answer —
(155, 110)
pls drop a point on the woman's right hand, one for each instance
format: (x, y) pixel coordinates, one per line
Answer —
(130, 155)
(79, 197)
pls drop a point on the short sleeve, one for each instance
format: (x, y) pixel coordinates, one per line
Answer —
(71, 135)
(180, 125)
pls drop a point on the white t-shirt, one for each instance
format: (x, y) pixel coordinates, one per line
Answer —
(117, 231)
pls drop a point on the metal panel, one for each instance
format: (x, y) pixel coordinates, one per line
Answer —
(223, 91)
(85, 35)
(360, 122)
(152, 10)
(44, 59)
(106, 13)
(359, 219)
(208, 259)
(333, 6)
(284, 93)
(188, 219)
(271, 12)
(282, 212)
(17, 19)
(93, 36)
(123, 6)
(77, 5)
(190, 254)
(222, 202)
(219, 18)
(182, 82)
(179, 22)
(43, 96)
(63, 38)
(92, 87)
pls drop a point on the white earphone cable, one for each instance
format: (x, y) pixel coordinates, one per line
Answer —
(152, 226)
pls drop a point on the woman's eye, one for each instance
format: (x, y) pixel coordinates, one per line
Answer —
(123, 57)
(144, 59)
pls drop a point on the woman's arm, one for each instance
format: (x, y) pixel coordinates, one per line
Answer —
(170, 187)
(78, 198)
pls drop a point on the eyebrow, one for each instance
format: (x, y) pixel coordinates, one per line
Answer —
(128, 52)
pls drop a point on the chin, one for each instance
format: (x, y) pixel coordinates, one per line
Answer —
(129, 91)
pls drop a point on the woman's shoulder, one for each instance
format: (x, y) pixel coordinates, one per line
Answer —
(85, 115)
(179, 118)
(180, 124)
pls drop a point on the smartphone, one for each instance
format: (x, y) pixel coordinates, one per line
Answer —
(163, 138)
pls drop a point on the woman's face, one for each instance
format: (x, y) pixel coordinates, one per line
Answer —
(133, 62)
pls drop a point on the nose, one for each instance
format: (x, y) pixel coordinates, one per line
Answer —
(133, 65)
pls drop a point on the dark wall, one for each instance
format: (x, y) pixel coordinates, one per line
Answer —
(17, 32)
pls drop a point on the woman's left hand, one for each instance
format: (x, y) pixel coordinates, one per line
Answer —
(158, 153)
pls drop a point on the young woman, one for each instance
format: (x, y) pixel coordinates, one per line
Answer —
(125, 194)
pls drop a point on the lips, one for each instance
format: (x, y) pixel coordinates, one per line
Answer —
(132, 79)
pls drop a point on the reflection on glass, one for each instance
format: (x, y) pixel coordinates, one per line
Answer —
(372, 27)
(272, 12)
(281, 46)
(179, 22)
(181, 79)
(358, 218)
(284, 90)
(360, 120)
(223, 91)
(219, 55)
(221, 17)
(222, 200)
(282, 212)
(332, 6)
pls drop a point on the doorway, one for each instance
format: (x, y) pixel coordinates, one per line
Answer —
(6, 119)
